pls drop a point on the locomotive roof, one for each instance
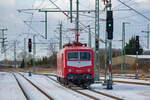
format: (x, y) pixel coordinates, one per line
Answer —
(74, 47)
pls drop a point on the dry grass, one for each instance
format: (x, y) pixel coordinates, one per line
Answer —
(38, 70)
(118, 60)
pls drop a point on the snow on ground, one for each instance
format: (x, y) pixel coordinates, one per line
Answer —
(96, 95)
(130, 80)
(55, 90)
(126, 91)
(31, 91)
(9, 89)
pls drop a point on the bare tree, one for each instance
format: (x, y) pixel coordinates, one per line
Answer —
(52, 49)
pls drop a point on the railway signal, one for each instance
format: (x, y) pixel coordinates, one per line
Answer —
(137, 43)
(97, 44)
(109, 24)
(109, 30)
(30, 45)
(137, 52)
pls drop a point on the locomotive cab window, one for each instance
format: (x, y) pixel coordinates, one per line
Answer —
(78, 56)
(73, 56)
(85, 56)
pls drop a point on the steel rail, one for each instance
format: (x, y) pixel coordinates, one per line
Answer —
(24, 93)
(98, 92)
(137, 83)
(37, 87)
(87, 95)
(104, 94)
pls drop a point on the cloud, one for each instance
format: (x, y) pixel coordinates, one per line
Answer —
(7, 9)
(142, 0)
(7, 3)
(143, 4)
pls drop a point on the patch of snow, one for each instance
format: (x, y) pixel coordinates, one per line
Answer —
(140, 56)
(9, 88)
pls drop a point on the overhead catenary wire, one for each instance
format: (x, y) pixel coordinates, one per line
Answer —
(134, 10)
(117, 6)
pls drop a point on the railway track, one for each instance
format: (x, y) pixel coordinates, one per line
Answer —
(23, 91)
(146, 78)
(36, 87)
(137, 83)
(85, 94)
(92, 97)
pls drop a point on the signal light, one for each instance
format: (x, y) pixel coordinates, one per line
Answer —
(137, 43)
(30, 45)
(97, 44)
(109, 24)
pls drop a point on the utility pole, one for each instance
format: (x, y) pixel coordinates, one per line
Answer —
(148, 31)
(106, 59)
(3, 42)
(110, 37)
(25, 64)
(45, 24)
(77, 21)
(34, 53)
(15, 60)
(123, 65)
(137, 53)
(97, 50)
(89, 41)
(71, 11)
(123, 47)
(60, 36)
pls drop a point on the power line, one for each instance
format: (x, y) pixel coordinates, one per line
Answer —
(59, 8)
(134, 10)
(132, 15)
(120, 4)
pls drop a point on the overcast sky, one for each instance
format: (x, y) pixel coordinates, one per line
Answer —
(13, 20)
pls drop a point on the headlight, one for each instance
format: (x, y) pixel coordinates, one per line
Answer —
(89, 70)
(69, 70)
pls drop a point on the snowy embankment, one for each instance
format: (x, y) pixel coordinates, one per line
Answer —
(10, 90)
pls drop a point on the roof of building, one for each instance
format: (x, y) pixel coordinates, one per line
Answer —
(141, 56)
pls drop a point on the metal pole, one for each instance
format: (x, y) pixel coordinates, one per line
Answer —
(15, 53)
(45, 24)
(148, 31)
(136, 75)
(34, 51)
(71, 11)
(25, 64)
(97, 51)
(89, 41)
(3, 43)
(106, 57)
(109, 81)
(77, 19)
(5, 51)
(67, 11)
(60, 36)
(148, 36)
(123, 48)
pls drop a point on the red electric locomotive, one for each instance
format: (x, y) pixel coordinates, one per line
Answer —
(75, 64)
